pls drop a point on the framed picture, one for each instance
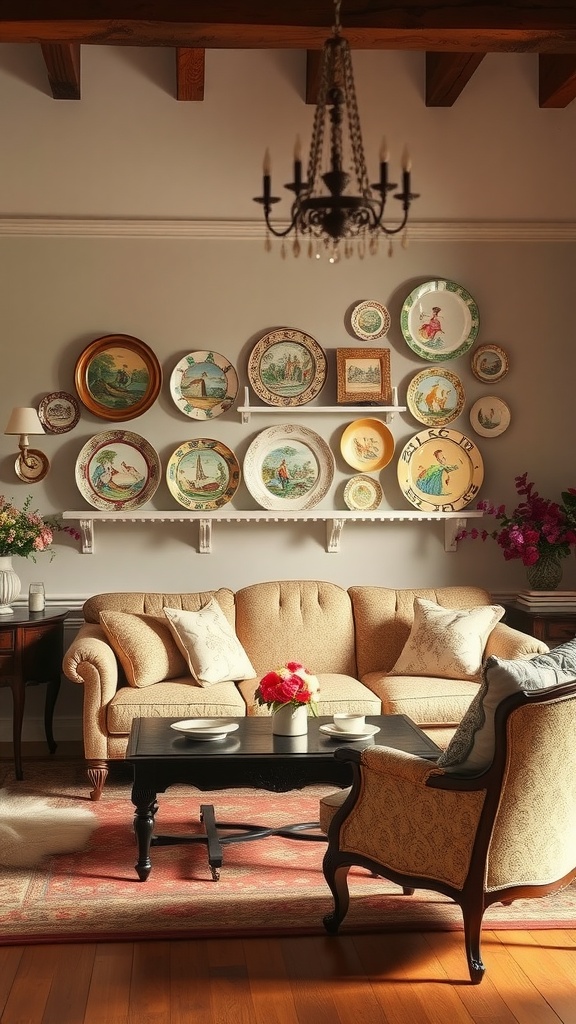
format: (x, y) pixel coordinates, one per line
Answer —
(118, 377)
(363, 376)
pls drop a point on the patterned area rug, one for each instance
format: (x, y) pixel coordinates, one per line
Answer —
(273, 886)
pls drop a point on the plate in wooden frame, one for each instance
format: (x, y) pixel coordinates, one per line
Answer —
(287, 368)
(118, 377)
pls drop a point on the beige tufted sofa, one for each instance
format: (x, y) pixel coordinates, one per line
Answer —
(349, 638)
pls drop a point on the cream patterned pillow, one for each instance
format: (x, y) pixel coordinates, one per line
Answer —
(209, 644)
(447, 642)
(144, 647)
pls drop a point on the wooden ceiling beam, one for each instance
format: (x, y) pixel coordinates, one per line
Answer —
(447, 74)
(556, 80)
(190, 65)
(313, 62)
(474, 26)
(63, 66)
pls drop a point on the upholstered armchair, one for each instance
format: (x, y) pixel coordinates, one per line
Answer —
(505, 833)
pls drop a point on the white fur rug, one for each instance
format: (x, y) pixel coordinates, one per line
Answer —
(32, 828)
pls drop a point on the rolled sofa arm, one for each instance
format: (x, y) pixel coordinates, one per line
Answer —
(91, 661)
(509, 643)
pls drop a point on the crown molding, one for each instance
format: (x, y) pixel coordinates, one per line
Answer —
(244, 230)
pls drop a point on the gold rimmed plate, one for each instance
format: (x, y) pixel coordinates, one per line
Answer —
(287, 368)
(118, 377)
(435, 396)
(203, 474)
(362, 493)
(367, 445)
(489, 363)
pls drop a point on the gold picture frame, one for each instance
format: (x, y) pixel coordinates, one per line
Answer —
(363, 376)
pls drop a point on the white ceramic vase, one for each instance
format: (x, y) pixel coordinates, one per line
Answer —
(290, 721)
(9, 585)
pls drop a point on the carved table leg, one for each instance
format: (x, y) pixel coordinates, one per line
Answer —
(144, 800)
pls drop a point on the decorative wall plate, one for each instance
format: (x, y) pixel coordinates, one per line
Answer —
(118, 377)
(490, 416)
(439, 320)
(288, 467)
(58, 412)
(370, 320)
(203, 474)
(362, 493)
(203, 385)
(117, 470)
(35, 468)
(435, 397)
(440, 471)
(287, 368)
(489, 363)
(367, 445)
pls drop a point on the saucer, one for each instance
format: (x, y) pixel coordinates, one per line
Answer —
(339, 734)
(204, 728)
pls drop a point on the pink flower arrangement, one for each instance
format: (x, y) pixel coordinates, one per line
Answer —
(292, 684)
(537, 526)
(24, 532)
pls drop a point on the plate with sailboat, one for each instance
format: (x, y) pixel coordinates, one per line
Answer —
(117, 377)
(117, 471)
(203, 385)
(203, 474)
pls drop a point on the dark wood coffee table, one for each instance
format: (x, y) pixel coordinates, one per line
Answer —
(251, 756)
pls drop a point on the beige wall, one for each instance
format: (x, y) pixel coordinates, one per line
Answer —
(129, 150)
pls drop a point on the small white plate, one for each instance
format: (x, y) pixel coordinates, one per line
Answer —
(339, 734)
(205, 728)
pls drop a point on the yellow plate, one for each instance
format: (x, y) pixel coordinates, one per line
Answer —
(367, 445)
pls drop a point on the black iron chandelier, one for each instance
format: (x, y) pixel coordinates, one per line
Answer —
(334, 209)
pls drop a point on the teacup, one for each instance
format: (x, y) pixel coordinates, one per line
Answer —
(349, 722)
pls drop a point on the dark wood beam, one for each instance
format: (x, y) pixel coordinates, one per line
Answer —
(556, 80)
(190, 73)
(474, 26)
(63, 66)
(447, 74)
(313, 61)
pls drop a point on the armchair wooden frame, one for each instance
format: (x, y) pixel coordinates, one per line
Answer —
(473, 897)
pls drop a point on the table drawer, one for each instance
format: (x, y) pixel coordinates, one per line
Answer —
(7, 640)
(561, 629)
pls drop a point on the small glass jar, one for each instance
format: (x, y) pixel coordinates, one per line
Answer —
(36, 597)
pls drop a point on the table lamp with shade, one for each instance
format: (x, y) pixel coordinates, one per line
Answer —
(31, 464)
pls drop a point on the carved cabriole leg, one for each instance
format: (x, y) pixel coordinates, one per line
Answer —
(97, 774)
(337, 879)
(472, 912)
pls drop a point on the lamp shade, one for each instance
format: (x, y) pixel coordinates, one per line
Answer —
(24, 421)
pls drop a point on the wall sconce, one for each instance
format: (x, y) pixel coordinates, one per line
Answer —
(31, 465)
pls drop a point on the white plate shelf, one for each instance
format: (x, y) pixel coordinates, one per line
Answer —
(387, 412)
(334, 518)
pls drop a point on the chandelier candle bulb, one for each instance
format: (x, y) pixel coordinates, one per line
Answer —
(266, 164)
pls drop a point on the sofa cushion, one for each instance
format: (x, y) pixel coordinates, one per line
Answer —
(427, 701)
(472, 746)
(447, 642)
(144, 647)
(209, 644)
(337, 693)
(174, 699)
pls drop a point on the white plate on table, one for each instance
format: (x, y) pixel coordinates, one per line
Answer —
(339, 734)
(204, 728)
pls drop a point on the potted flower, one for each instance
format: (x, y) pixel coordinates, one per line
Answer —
(539, 531)
(290, 692)
(23, 532)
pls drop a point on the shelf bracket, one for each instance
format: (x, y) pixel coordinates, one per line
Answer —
(205, 536)
(87, 531)
(334, 529)
(452, 528)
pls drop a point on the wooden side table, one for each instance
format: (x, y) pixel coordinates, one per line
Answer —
(551, 625)
(31, 652)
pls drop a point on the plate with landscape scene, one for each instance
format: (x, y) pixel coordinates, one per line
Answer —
(367, 445)
(203, 385)
(118, 377)
(287, 368)
(117, 470)
(435, 396)
(439, 320)
(58, 412)
(288, 467)
(370, 320)
(203, 474)
(490, 416)
(489, 363)
(440, 470)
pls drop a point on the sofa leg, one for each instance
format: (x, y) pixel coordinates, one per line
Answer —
(97, 774)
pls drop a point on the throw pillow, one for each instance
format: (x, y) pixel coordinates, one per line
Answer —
(471, 749)
(209, 644)
(447, 642)
(144, 647)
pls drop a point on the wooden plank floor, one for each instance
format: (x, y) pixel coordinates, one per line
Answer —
(363, 979)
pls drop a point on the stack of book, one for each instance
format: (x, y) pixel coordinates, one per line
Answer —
(555, 600)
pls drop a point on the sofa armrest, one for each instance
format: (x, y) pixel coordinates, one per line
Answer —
(509, 643)
(91, 662)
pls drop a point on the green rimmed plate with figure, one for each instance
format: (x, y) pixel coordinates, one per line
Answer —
(439, 320)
